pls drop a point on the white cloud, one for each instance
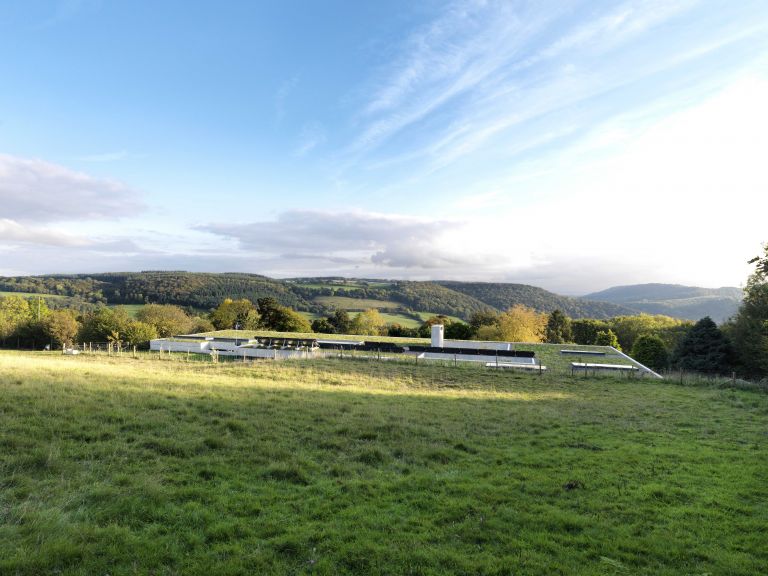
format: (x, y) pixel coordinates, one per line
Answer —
(33, 190)
(379, 236)
(12, 232)
(680, 199)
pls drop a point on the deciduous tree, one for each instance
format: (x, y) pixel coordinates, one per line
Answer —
(651, 351)
(61, 327)
(607, 338)
(168, 320)
(522, 324)
(241, 313)
(368, 323)
(585, 331)
(104, 325)
(138, 333)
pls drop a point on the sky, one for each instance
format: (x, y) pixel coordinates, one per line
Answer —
(573, 145)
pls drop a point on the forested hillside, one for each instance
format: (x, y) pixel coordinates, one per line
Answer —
(502, 296)
(200, 290)
(436, 298)
(687, 302)
(317, 295)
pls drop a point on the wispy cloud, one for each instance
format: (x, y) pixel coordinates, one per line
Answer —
(282, 94)
(496, 73)
(65, 10)
(106, 157)
(312, 136)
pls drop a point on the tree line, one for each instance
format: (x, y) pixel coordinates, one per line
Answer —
(207, 290)
(740, 345)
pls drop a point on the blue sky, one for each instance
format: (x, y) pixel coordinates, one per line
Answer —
(571, 145)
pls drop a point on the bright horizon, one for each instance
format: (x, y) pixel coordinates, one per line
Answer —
(572, 147)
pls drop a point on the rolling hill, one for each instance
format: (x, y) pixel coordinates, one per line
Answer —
(317, 295)
(503, 295)
(689, 302)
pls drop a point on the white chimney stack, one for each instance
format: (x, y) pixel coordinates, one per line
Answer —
(437, 336)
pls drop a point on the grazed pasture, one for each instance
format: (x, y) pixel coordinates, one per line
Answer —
(124, 466)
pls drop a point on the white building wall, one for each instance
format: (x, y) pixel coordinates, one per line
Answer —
(165, 345)
(477, 345)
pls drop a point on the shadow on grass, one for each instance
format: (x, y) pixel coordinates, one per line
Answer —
(167, 468)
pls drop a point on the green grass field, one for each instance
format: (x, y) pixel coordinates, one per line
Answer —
(401, 319)
(123, 466)
(346, 303)
(345, 287)
(427, 315)
(30, 295)
(131, 309)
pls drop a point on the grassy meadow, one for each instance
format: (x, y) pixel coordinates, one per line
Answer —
(347, 303)
(140, 466)
(4, 294)
(131, 309)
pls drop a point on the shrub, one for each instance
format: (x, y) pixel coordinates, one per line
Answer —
(650, 350)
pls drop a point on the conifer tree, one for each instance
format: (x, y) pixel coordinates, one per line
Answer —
(704, 349)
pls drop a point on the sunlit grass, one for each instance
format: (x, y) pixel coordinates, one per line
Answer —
(126, 466)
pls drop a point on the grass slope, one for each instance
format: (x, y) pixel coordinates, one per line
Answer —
(149, 467)
(547, 354)
(29, 295)
(346, 303)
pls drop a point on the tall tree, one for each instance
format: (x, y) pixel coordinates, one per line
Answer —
(14, 311)
(340, 320)
(585, 330)
(522, 324)
(283, 319)
(480, 318)
(323, 326)
(137, 333)
(368, 323)
(558, 328)
(629, 328)
(236, 313)
(104, 325)
(61, 327)
(168, 320)
(704, 349)
(749, 329)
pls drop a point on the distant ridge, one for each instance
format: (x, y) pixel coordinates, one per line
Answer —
(203, 290)
(690, 302)
(206, 290)
(502, 295)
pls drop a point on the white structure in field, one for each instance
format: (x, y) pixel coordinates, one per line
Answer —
(490, 354)
(239, 347)
(438, 333)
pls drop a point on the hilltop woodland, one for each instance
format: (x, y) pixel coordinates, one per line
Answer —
(78, 314)
(203, 291)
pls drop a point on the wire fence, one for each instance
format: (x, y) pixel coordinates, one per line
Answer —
(549, 365)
